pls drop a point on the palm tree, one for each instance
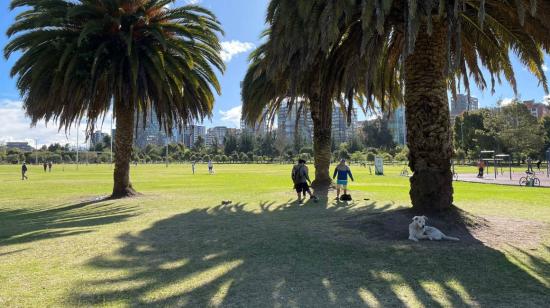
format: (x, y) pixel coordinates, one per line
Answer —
(269, 84)
(80, 58)
(427, 48)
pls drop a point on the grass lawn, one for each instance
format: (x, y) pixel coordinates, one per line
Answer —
(177, 246)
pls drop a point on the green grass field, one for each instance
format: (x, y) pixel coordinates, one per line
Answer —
(177, 246)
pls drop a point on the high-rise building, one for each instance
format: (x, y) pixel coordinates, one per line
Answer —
(216, 134)
(342, 131)
(286, 122)
(191, 134)
(397, 125)
(538, 110)
(463, 103)
(97, 138)
(151, 132)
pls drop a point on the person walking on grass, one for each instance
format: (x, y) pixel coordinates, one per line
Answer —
(342, 171)
(529, 164)
(24, 172)
(210, 167)
(45, 166)
(480, 168)
(50, 166)
(539, 162)
(300, 177)
(193, 166)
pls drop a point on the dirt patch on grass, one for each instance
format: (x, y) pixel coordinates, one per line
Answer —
(470, 229)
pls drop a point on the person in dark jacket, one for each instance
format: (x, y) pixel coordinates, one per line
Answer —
(300, 177)
(342, 171)
(24, 172)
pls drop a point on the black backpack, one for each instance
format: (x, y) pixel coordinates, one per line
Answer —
(345, 197)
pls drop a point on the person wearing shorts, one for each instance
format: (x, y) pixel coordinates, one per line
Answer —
(210, 167)
(342, 171)
(300, 177)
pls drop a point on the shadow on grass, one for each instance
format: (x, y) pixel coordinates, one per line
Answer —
(297, 255)
(27, 225)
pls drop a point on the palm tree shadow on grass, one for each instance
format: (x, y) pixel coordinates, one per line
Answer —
(27, 225)
(297, 255)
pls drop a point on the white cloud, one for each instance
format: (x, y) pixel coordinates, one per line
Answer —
(193, 2)
(233, 48)
(546, 100)
(233, 115)
(16, 127)
(544, 67)
(506, 101)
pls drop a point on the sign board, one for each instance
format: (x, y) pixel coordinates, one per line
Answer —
(378, 165)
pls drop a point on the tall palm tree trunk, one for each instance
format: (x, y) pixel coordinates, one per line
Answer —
(321, 115)
(123, 150)
(428, 125)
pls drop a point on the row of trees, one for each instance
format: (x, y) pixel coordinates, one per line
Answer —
(510, 129)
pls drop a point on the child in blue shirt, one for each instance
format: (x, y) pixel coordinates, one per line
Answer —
(342, 171)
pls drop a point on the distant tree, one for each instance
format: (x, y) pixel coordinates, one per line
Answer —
(377, 134)
(355, 145)
(545, 124)
(246, 142)
(215, 147)
(267, 144)
(519, 130)
(199, 144)
(230, 144)
(280, 142)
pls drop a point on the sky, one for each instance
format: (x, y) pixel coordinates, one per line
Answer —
(243, 21)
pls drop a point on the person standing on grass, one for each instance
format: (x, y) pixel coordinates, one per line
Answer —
(193, 166)
(342, 171)
(300, 177)
(480, 168)
(45, 166)
(210, 167)
(539, 162)
(529, 164)
(24, 172)
(50, 166)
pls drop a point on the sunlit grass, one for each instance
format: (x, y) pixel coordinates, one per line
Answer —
(176, 246)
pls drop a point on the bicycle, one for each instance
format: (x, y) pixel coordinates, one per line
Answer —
(529, 180)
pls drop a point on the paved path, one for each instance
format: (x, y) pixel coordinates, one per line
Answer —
(503, 179)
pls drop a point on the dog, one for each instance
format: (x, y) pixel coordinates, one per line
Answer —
(419, 231)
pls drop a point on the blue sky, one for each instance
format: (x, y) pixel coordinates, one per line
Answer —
(243, 21)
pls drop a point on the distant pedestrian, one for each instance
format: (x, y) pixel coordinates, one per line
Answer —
(480, 168)
(529, 164)
(342, 171)
(24, 172)
(300, 177)
(50, 166)
(193, 166)
(45, 166)
(539, 162)
(210, 167)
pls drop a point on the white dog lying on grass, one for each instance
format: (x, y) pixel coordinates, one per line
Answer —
(419, 231)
